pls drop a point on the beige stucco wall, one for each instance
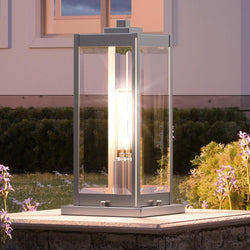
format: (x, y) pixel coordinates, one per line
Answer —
(207, 54)
(245, 47)
(207, 39)
(32, 71)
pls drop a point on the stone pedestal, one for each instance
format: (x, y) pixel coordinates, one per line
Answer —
(196, 229)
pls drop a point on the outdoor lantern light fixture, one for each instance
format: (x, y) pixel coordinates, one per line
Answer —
(122, 124)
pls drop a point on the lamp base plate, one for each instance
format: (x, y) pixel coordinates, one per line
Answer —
(123, 211)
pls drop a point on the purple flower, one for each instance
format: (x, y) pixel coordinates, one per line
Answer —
(189, 207)
(27, 206)
(226, 181)
(5, 226)
(68, 182)
(4, 168)
(58, 174)
(204, 204)
(5, 186)
(39, 185)
(11, 188)
(244, 141)
(243, 135)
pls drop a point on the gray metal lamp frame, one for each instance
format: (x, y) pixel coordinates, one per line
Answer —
(136, 204)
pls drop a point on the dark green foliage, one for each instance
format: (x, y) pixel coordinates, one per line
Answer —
(36, 139)
(195, 128)
(41, 139)
(95, 130)
(152, 148)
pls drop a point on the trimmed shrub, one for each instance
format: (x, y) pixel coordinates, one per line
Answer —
(41, 139)
(195, 128)
(36, 139)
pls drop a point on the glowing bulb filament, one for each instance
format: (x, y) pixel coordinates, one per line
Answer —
(124, 120)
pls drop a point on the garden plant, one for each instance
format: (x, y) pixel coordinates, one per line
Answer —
(220, 177)
(38, 142)
(5, 188)
(41, 139)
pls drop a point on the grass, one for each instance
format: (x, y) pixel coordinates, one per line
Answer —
(54, 190)
(50, 190)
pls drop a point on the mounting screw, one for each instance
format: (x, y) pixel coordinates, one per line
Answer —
(102, 203)
(107, 203)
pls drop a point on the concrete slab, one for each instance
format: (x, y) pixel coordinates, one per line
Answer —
(193, 219)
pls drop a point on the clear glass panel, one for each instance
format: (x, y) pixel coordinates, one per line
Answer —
(120, 7)
(105, 120)
(80, 7)
(154, 125)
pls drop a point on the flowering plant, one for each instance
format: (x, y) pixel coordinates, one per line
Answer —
(209, 178)
(5, 186)
(27, 206)
(5, 226)
(204, 204)
(244, 142)
(189, 206)
(226, 184)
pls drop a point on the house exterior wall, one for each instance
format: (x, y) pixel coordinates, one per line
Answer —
(211, 53)
(28, 71)
(245, 55)
(207, 40)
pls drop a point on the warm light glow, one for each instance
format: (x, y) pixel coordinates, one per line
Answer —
(124, 120)
(119, 123)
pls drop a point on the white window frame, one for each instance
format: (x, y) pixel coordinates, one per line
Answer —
(4, 22)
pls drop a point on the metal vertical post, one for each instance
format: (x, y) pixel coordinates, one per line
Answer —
(76, 119)
(111, 115)
(136, 136)
(137, 121)
(170, 84)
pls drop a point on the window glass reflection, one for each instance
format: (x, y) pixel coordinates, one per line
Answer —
(120, 7)
(80, 7)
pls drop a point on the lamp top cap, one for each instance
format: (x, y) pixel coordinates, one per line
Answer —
(122, 26)
(122, 23)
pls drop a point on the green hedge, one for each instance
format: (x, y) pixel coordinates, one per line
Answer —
(41, 139)
(194, 128)
(36, 139)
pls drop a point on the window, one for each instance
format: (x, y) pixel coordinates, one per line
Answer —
(80, 7)
(91, 16)
(54, 21)
(4, 28)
